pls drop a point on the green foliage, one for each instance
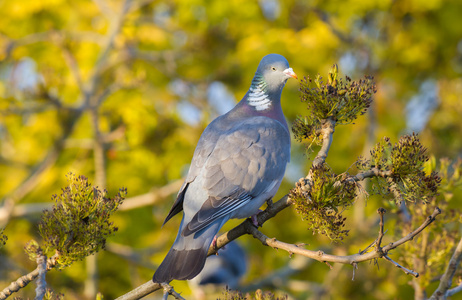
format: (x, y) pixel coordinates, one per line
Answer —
(51, 295)
(322, 202)
(341, 101)
(32, 249)
(78, 224)
(403, 167)
(259, 295)
(451, 177)
(436, 246)
(148, 144)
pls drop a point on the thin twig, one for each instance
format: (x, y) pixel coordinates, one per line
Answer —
(368, 247)
(26, 279)
(93, 103)
(454, 291)
(73, 66)
(114, 30)
(168, 290)
(406, 270)
(152, 197)
(355, 267)
(446, 280)
(381, 211)
(374, 172)
(412, 234)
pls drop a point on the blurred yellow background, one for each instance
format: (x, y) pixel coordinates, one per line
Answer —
(120, 91)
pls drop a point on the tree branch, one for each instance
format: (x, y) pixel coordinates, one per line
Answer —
(374, 172)
(26, 279)
(454, 291)
(141, 291)
(406, 270)
(381, 211)
(151, 197)
(246, 227)
(30, 182)
(41, 281)
(327, 132)
(168, 290)
(222, 240)
(350, 259)
(72, 64)
(412, 234)
(446, 280)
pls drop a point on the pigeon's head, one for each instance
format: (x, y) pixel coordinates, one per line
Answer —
(275, 70)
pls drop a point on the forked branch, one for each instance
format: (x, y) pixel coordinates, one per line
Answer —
(378, 252)
(443, 290)
(26, 279)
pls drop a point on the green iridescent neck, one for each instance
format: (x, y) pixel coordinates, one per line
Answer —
(258, 82)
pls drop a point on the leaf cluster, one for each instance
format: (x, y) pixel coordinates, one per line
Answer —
(343, 101)
(322, 201)
(33, 249)
(78, 224)
(404, 164)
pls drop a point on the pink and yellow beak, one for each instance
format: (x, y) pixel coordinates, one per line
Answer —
(289, 72)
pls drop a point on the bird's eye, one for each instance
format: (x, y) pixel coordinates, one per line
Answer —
(273, 68)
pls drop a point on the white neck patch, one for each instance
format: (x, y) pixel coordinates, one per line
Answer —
(258, 98)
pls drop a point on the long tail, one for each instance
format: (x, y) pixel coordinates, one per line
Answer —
(187, 256)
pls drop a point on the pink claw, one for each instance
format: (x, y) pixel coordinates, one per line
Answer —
(254, 218)
(214, 243)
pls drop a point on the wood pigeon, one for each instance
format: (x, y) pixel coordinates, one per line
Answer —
(238, 164)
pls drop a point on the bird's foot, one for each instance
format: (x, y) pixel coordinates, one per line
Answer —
(215, 245)
(269, 202)
(254, 219)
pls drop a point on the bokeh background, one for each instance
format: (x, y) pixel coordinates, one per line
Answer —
(120, 91)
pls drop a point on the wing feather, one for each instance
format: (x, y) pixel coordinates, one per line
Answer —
(246, 162)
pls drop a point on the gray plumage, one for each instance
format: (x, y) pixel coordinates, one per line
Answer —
(238, 164)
